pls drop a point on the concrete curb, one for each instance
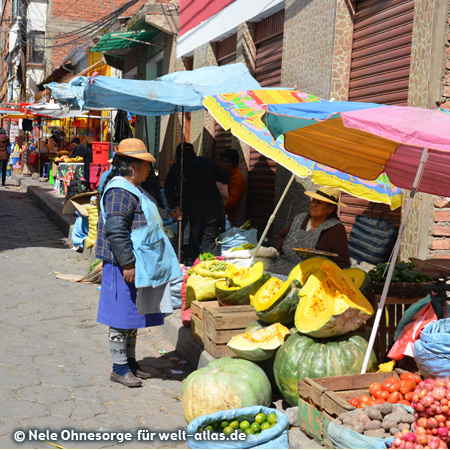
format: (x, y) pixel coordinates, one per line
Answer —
(180, 337)
(47, 200)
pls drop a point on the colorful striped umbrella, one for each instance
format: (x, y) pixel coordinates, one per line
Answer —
(411, 145)
(241, 112)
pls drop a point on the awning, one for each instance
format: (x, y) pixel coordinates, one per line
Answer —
(124, 39)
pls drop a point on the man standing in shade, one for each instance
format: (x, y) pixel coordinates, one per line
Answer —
(202, 203)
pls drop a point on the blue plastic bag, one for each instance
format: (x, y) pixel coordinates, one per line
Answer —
(274, 437)
(234, 237)
(432, 350)
(385, 443)
(80, 230)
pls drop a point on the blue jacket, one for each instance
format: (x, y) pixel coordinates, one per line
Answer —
(155, 259)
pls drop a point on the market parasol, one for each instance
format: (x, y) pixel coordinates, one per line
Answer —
(241, 112)
(365, 139)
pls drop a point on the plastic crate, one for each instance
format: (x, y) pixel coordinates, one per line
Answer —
(100, 152)
(95, 173)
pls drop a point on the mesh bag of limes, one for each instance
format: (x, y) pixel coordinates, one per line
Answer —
(254, 426)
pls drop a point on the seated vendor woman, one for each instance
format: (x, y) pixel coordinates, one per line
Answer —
(320, 229)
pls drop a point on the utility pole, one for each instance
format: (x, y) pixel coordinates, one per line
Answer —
(23, 10)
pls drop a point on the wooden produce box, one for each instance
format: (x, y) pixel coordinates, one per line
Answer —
(223, 323)
(321, 400)
(395, 308)
(197, 318)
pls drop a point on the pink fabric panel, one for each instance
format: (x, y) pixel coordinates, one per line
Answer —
(403, 165)
(403, 124)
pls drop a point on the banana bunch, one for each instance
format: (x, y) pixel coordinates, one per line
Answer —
(93, 220)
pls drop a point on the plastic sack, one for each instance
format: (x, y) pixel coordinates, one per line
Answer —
(274, 437)
(200, 288)
(386, 443)
(344, 437)
(93, 221)
(409, 314)
(80, 230)
(243, 258)
(404, 345)
(432, 350)
(234, 237)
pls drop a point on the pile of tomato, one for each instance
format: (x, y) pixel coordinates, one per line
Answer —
(393, 390)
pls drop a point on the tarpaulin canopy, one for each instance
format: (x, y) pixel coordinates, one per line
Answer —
(124, 39)
(168, 94)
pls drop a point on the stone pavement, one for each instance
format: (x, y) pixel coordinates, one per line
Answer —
(54, 356)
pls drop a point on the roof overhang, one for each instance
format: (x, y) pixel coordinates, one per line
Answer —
(125, 39)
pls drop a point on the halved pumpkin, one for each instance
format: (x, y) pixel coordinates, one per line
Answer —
(229, 293)
(308, 266)
(242, 276)
(330, 304)
(277, 301)
(361, 280)
(259, 345)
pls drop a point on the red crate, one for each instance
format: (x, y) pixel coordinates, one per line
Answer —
(100, 152)
(95, 173)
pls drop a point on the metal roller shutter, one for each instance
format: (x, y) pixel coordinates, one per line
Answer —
(268, 39)
(225, 54)
(381, 58)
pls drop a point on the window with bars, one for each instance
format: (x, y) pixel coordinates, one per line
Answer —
(36, 41)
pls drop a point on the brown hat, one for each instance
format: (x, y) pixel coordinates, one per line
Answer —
(326, 194)
(134, 148)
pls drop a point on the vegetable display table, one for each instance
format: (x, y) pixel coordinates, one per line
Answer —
(65, 173)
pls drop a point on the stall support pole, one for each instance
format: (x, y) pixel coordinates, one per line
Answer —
(180, 227)
(395, 252)
(272, 217)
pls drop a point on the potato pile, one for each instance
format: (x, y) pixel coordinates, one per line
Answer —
(378, 421)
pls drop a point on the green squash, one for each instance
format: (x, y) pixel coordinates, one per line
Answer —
(301, 356)
(256, 325)
(230, 293)
(225, 383)
(260, 344)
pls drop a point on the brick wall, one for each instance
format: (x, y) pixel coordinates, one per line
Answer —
(65, 16)
(440, 244)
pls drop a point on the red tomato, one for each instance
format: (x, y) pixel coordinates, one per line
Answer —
(409, 376)
(362, 404)
(400, 396)
(392, 380)
(394, 397)
(379, 401)
(374, 387)
(386, 385)
(382, 394)
(409, 396)
(364, 398)
(354, 402)
(394, 387)
(407, 386)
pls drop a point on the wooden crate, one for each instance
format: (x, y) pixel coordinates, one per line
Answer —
(223, 323)
(197, 318)
(395, 308)
(321, 400)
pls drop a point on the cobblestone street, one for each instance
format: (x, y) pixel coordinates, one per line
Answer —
(54, 357)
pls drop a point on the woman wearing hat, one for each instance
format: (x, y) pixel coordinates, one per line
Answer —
(138, 260)
(319, 229)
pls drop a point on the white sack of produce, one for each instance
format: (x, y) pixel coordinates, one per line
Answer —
(242, 258)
